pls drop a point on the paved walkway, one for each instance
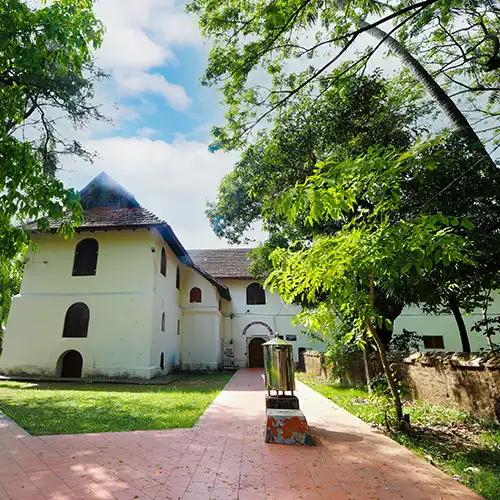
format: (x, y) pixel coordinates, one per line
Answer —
(223, 458)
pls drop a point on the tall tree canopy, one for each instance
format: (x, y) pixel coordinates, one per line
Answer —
(451, 47)
(46, 74)
(369, 110)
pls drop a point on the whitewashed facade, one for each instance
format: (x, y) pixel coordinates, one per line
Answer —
(141, 323)
(136, 319)
(441, 330)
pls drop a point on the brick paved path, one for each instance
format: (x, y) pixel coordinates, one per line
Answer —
(223, 458)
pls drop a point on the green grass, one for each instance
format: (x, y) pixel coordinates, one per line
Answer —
(67, 408)
(456, 442)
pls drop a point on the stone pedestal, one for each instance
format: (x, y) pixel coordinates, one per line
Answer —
(287, 427)
(282, 402)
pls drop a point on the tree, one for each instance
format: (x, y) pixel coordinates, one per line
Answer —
(377, 247)
(368, 110)
(299, 42)
(357, 114)
(456, 190)
(46, 73)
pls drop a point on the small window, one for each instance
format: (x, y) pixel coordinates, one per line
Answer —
(76, 321)
(195, 295)
(85, 261)
(255, 294)
(433, 341)
(178, 327)
(163, 262)
(178, 278)
(162, 322)
(162, 361)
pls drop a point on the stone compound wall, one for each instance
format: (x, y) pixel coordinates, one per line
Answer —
(470, 382)
(315, 364)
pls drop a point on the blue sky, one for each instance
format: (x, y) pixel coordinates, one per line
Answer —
(157, 142)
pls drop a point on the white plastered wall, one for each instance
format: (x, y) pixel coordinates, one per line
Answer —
(201, 332)
(414, 319)
(166, 300)
(119, 297)
(274, 313)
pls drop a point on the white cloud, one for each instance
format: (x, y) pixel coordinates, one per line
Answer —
(140, 82)
(146, 132)
(125, 47)
(175, 27)
(174, 180)
(141, 35)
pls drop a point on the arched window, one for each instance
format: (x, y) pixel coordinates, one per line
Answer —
(76, 322)
(195, 295)
(255, 294)
(162, 322)
(178, 278)
(85, 262)
(163, 262)
(162, 361)
(70, 365)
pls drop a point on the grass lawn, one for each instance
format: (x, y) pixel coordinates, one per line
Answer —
(67, 408)
(455, 441)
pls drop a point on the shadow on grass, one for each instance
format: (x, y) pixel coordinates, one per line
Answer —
(187, 384)
(446, 445)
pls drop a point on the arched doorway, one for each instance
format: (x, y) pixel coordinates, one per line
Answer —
(256, 353)
(71, 363)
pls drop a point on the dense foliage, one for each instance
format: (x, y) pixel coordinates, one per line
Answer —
(451, 47)
(46, 75)
(366, 211)
(369, 110)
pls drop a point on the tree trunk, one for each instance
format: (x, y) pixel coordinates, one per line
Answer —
(391, 379)
(488, 336)
(455, 309)
(367, 369)
(389, 374)
(445, 102)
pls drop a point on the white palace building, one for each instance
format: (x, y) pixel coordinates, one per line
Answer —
(124, 298)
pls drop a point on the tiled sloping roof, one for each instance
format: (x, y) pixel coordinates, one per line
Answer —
(224, 262)
(107, 217)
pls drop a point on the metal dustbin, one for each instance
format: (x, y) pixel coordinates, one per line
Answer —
(278, 366)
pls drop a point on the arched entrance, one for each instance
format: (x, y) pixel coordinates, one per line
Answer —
(256, 353)
(70, 364)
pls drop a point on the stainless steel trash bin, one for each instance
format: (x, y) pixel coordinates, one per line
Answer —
(278, 366)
